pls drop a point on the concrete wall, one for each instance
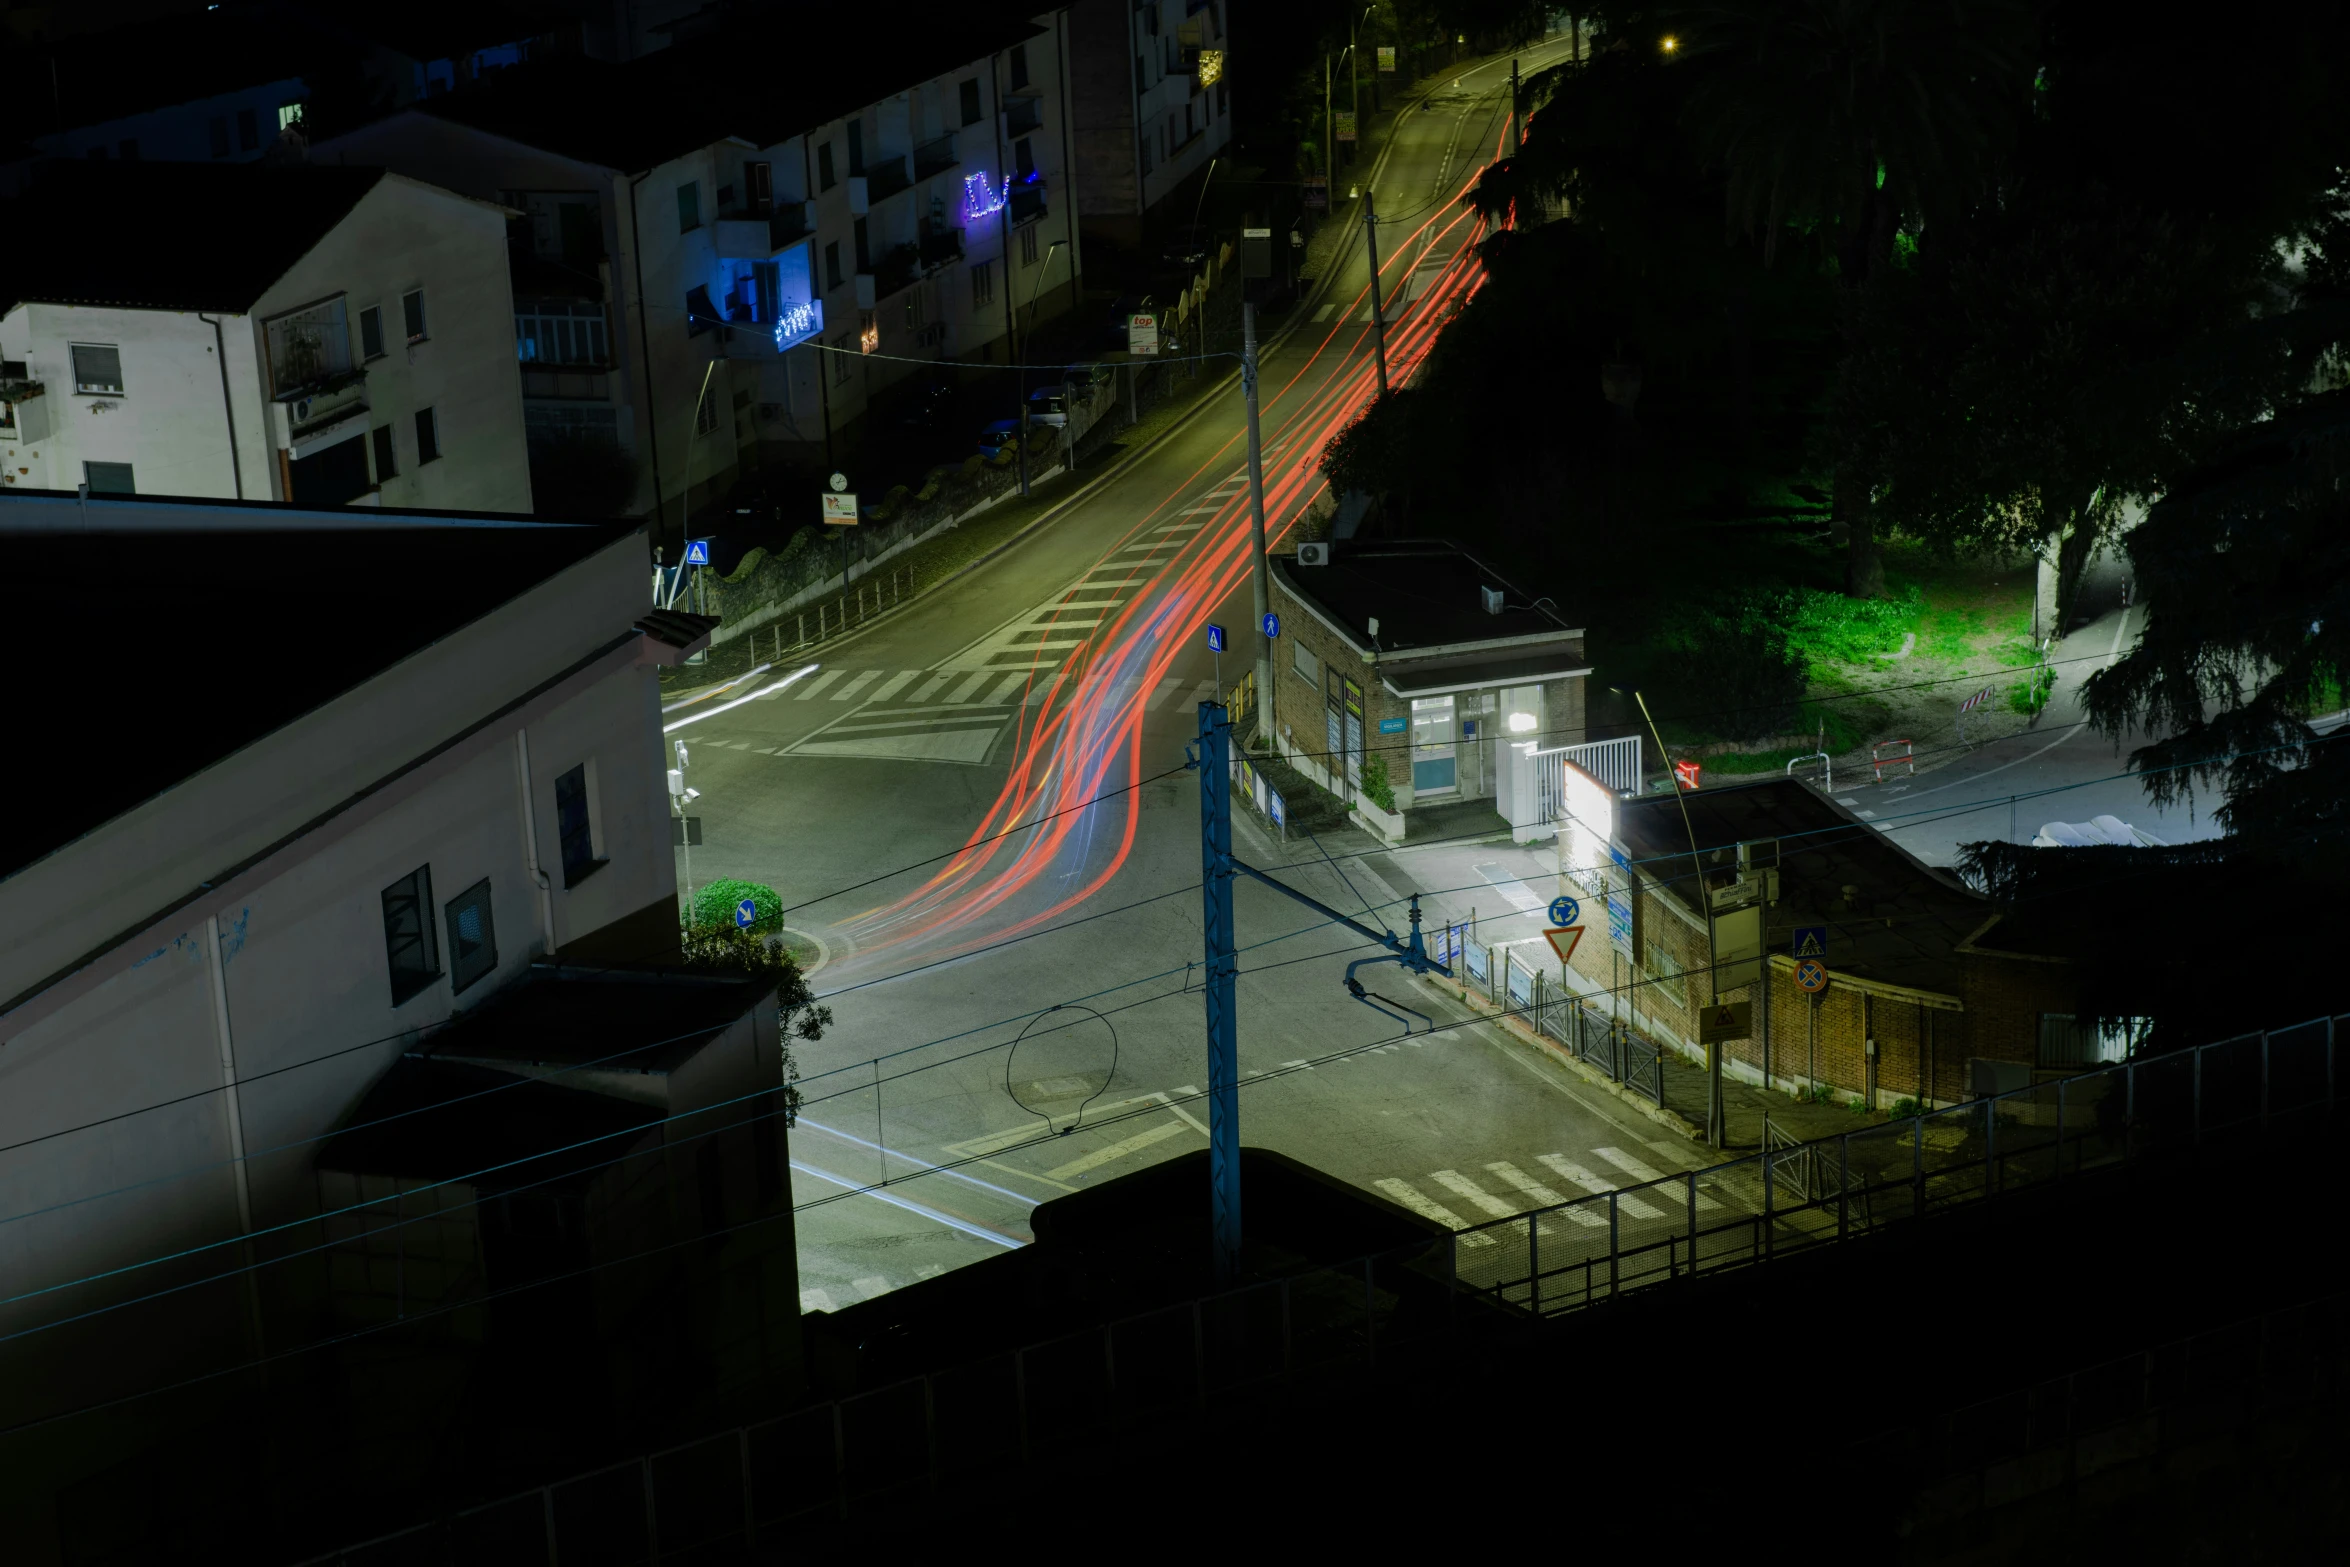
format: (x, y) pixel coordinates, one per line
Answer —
(112, 1100)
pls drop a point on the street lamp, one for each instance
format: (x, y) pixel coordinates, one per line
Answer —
(1019, 366)
(1329, 139)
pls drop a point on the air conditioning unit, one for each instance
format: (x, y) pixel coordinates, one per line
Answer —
(1313, 554)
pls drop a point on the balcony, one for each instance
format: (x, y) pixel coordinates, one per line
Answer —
(935, 157)
(886, 176)
(768, 341)
(790, 223)
(1028, 204)
(562, 334)
(1022, 115)
(940, 247)
(896, 269)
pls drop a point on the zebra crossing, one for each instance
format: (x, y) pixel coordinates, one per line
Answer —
(1501, 1189)
(917, 715)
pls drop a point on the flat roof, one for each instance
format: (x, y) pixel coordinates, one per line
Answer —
(188, 629)
(616, 1019)
(1426, 594)
(1904, 925)
(1437, 675)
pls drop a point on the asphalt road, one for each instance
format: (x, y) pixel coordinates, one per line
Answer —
(1017, 742)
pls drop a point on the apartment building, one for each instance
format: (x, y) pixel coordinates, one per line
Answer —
(338, 337)
(1153, 97)
(732, 268)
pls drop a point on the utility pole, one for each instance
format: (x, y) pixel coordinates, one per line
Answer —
(1215, 821)
(1256, 499)
(1705, 911)
(1378, 311)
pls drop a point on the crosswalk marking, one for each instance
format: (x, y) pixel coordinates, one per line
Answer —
(1324, 313)
(850, 688)
(1116, 1151)
(930, 687)
(1167, 688)
(1512, 1176)
(1461, 1186)
(1201, 692)
(895, 683)
(1055, 619)
(1643, 1172)
(1011, 683)
(764, 750)
(1599, 1185)
(1177, 527)
(962, 693)
(1042, 691)
(1408, 1195)
(818, 684)
(1194, 511)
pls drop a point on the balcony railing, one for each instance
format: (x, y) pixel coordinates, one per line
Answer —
(940, 247)
(1022, 115)
(896, 269)
(935, 157)
(792, 221)
(886, 177)
(309, 350)
(1027, 204)
(561, 332)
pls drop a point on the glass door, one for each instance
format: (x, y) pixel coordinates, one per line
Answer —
(1432, 746)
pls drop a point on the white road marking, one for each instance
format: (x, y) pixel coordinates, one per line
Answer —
(765, 750)
(818, 684)
(1461, 1186)
(1177, 527)
(1513, 1176)
(1052, 619)
(1306, 1064)
(930, 687)
(1404, 1193)
(963, 692)
(1644, 1172)
(1599, 1185)
(1011, 683)
(871, 1286)
(895, 683)
(1194, 511)
(814, 1300)
(1323, 314)
(850, 688)
(1201, 692)
(1117, 1150)
(1043, 690)
(1167, 688)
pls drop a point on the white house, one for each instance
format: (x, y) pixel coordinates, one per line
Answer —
(1155, 104)
(691, 262)
(326, 337)
(259, 963)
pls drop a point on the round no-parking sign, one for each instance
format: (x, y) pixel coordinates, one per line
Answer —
(1811, 976)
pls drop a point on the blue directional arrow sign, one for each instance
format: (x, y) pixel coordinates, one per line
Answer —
(1564, 911)
(1215, 639)
(745, 912)
(697, 552)
(1272, 625)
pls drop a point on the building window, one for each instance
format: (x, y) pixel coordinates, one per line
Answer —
(288, 114)
(1028, 246)
(97, 367)
(982, 284)
(841, 351)
(832, 277)
(473, 936)
(371, 332)
(1665, 976)
(248, 130)
(409, 944)
(220, 142)
(701, 312)
(856, 148)
(970, 91)
(1019, 66)
(824, 174)
(1308, 667)
(412, 314)
(108, 478)
(1023, 158)
(560, 332)
(308, 347)
(386, 465)
(2067, 1041)
(864, 244)
(575, 824)
(428, 437)
(689, 207)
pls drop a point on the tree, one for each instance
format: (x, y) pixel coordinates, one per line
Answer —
(1850, 116)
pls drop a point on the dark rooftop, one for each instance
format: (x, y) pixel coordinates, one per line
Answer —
(615, 1019)
(704, 90)
(212, 641)
(150, 64)
(427, 30)
(1425, 594)
(1904, 925)
(104, 220)
(480, 1120)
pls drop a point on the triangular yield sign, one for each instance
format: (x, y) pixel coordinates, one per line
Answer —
(1564, 948)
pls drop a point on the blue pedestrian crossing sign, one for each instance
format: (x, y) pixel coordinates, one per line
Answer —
(1811, 941)
(1564, 911)
(1272, 625)
(1215, 639)
(744, 913)
(697, 552)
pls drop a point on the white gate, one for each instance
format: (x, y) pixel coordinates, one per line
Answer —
(1615, 763)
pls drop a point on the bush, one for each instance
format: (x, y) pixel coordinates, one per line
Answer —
(714, 906)
(1376, 787)
(1729, 675)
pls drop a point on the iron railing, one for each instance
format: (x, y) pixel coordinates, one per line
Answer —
(1615, 763)
(1784, 1200)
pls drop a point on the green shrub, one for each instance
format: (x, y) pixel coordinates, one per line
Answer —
(1376, 786)
(714, 906)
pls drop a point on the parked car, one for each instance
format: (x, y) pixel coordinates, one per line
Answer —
(999, 438)
(1082, 379)
(1049, 405)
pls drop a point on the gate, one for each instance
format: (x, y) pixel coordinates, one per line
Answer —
(1615, 763)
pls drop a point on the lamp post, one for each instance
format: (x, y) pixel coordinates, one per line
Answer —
(1705, 911)
(1329, 137)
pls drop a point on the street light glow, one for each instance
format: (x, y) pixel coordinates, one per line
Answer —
(1671, 43)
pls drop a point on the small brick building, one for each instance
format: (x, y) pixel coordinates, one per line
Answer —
(1923, 1001)
(1419, 654)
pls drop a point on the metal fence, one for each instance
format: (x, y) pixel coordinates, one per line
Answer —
(1615, 763)
(765, 1482)
(1790, 1199)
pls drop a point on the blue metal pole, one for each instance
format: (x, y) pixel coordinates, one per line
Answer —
(1215, 822)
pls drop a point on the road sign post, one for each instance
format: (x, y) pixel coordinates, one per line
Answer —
(1811, 976)
(1811, 941)
(745, 913)
(1564, 910)
(1258, 577)
(1217, 984)
(1724, 1021)
(1563, 941)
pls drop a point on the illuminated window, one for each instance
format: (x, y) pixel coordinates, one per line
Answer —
(288, 114)
(869, 335)
(473, 936)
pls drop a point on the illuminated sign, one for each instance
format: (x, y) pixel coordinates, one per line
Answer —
(981, 199)
(1590, 823)
(1211, 67)
(798, 323)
